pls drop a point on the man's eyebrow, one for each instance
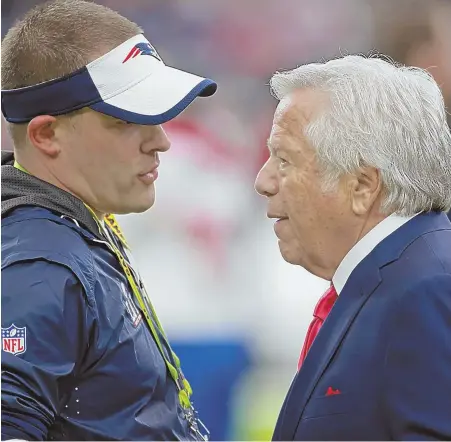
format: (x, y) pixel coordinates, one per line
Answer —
(270, 147)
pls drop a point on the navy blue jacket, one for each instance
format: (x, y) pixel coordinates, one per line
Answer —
(78, 359)
(385, 348)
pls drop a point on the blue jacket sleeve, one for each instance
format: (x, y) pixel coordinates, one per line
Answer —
(418, 363)
(46, 322)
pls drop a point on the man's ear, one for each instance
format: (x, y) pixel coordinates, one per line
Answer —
(41, 134)
(365, 187)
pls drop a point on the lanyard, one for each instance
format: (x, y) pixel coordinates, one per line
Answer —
(172, 361)
(170, 358)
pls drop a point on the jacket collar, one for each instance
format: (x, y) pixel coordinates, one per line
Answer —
(20, 189)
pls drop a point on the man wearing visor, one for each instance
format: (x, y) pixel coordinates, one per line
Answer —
(84, 356)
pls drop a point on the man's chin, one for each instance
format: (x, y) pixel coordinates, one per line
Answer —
(135, 207)
(146, 201)
(289, 254)
(292, 256)
(144, 207)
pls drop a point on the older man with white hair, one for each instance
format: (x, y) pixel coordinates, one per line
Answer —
(358, 181)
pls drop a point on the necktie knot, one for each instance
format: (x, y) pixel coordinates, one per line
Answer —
(325, 303)
(322, 309)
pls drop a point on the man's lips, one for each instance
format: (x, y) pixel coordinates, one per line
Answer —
(277, 217)
(278, 221)
(150, 175)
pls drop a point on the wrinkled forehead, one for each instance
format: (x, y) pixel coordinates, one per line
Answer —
(287, 120)
(299, 108)
(285, 110)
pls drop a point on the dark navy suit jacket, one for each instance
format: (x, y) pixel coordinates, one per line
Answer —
(385, 348)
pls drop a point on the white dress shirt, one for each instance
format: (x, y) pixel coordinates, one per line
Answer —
(364, 246)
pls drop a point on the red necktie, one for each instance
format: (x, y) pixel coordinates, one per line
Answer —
(322, 309)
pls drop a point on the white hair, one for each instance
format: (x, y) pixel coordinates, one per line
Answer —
(381, 115)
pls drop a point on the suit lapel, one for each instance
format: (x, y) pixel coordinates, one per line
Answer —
(349, 303)
(278, 431)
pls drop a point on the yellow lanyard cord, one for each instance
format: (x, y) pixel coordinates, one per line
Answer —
(18, 166)
(181, 382)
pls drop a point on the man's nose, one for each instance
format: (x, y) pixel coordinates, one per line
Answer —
(266, 183)
(158, 141)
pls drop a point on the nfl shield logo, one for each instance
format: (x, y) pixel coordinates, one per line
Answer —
(14, 340)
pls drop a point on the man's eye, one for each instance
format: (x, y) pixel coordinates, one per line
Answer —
(123, 122)
(282, 162)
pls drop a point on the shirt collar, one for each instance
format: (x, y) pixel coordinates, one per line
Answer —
(364, 247)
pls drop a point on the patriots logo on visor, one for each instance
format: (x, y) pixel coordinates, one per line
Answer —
(142, 49)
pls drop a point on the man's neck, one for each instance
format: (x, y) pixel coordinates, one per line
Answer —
(352, 237)
(44, 175)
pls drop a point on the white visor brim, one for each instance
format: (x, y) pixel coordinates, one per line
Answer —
(158, 98)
